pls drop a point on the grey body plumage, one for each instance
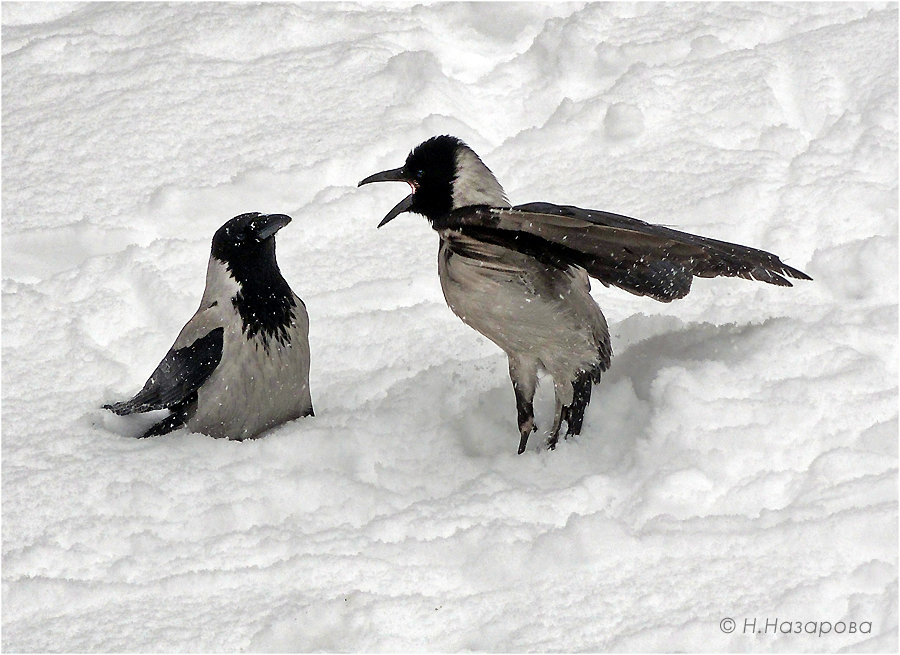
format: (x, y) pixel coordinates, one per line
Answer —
(240, 365)
(520, 275)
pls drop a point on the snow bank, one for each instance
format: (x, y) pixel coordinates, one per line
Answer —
(739, 459)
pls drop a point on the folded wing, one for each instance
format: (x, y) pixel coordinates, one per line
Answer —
(178, 376)
(644, 259)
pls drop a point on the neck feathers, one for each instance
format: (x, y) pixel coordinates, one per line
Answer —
(260, 295)
(475, 184)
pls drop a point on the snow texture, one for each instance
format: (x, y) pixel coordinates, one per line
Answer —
(739, 459)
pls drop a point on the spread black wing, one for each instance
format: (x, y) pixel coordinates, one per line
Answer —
(645, 259)
(178, 376)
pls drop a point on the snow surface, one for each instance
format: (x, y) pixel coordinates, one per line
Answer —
(739, 459)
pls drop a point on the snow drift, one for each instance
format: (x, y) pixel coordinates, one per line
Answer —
(739, 459)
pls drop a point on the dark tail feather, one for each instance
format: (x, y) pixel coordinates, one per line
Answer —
(126, 407)
(177, 419)
(147, 399)
(165, 426)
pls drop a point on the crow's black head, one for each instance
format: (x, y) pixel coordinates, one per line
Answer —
(444, 174)
(246, 246)
(431, 171)
(248, 240)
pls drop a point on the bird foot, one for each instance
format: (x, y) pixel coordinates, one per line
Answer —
(525, 429)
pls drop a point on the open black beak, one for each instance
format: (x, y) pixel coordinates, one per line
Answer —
(394, 175)
(402, 206)
(267, 225)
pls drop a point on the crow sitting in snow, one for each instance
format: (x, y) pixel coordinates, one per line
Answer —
(241, 364)
(519, 275)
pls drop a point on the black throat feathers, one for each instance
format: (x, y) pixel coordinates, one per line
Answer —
(265, 302)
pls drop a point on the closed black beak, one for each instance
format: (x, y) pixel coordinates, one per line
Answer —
(394, 175)
(268, 225)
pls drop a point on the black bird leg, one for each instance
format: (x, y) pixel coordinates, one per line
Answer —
(526, 419)
(524, 379)
(557, 423)
(573, 413)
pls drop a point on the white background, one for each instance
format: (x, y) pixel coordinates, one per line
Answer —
(739, 458)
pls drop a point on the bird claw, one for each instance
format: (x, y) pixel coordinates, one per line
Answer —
(525, 430)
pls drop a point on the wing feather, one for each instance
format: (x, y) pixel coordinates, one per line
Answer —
(178, 376)
(644, 259)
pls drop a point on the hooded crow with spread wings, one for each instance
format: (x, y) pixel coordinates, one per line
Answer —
(519, 275)
(241, 364)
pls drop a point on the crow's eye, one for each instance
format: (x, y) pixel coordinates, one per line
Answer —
(419, 174)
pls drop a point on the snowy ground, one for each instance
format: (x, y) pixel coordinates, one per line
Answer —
(739, 459)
